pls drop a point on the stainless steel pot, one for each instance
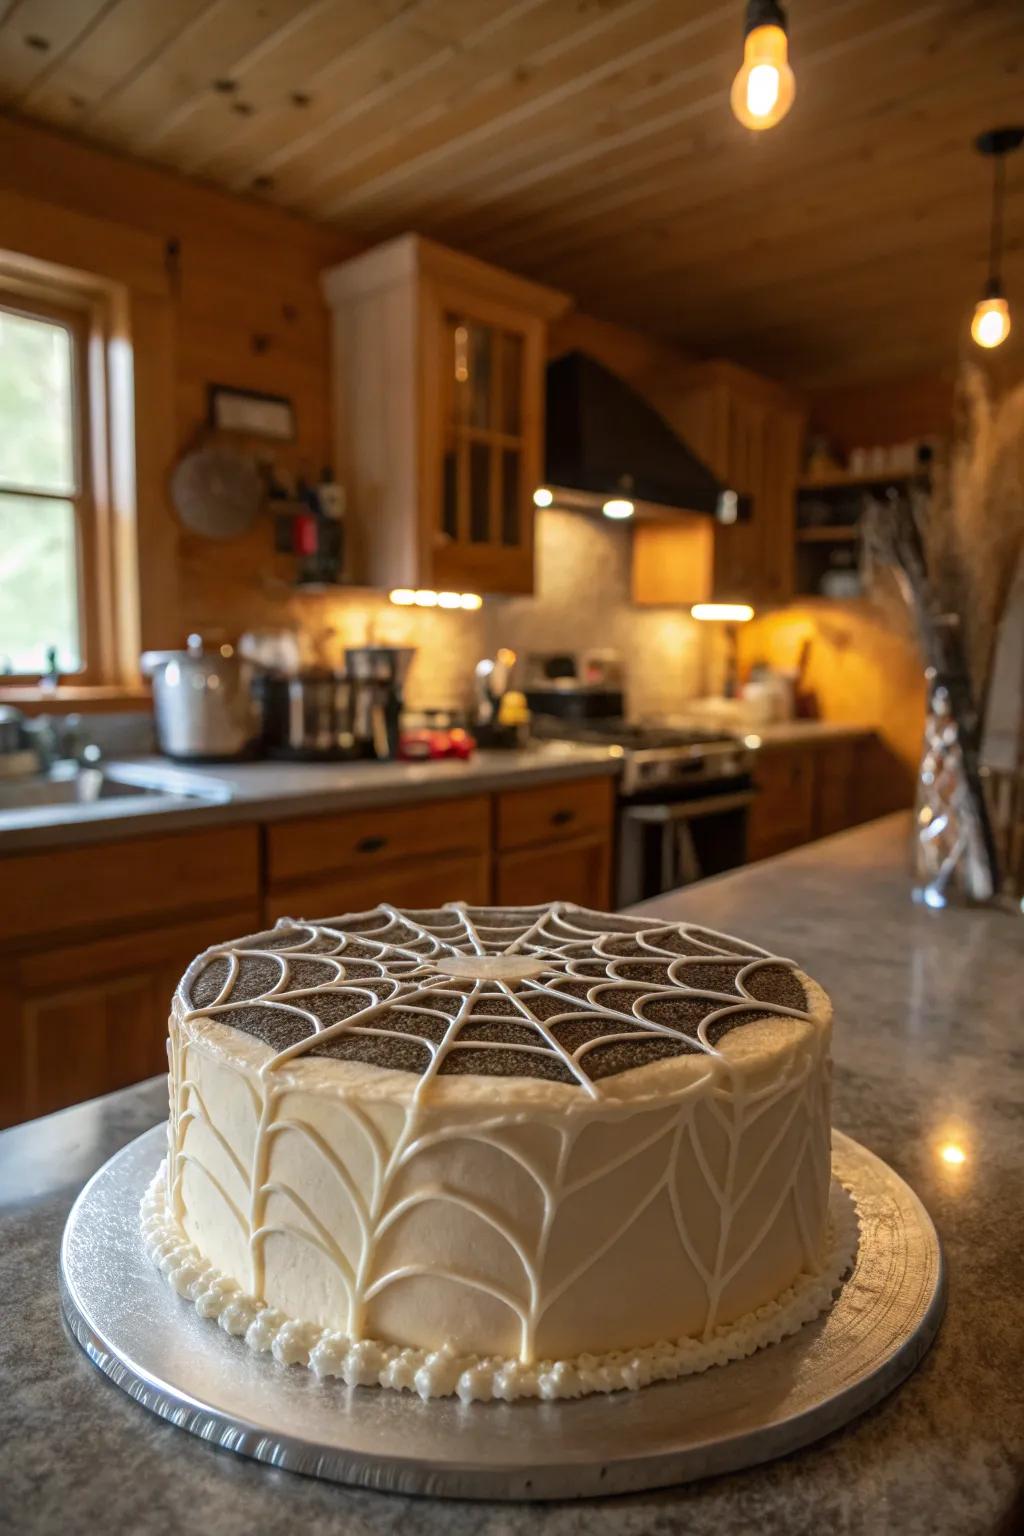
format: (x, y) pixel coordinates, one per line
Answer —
(308, 714)
(203, 702)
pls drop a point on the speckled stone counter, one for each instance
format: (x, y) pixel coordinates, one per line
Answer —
(270, 791)
(928, 1055)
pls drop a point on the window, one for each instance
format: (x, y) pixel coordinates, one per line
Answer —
(46, 526)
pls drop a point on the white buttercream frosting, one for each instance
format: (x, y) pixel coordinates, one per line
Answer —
(461, 1210)
(442, 1372)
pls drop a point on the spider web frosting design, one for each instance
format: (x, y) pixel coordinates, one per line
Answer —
(555, 992)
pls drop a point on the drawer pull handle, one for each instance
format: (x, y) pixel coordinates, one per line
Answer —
(562, 818)
(371, 844)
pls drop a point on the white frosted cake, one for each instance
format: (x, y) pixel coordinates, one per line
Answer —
(499, 1152)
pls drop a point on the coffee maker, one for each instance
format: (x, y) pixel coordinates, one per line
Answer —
(377, 674)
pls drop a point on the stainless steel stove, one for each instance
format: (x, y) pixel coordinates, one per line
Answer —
(657, 758)
(684, 794)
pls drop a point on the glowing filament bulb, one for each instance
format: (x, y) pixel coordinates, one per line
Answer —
(991, 324)
(764, 87)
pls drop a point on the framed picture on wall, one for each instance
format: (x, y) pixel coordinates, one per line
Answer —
(249, 412)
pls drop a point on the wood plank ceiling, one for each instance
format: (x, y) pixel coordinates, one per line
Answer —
(588, 143)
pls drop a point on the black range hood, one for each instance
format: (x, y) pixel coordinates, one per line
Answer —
(604, 441)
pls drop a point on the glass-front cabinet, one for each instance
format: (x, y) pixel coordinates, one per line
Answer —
(490, 461)
(439, 414)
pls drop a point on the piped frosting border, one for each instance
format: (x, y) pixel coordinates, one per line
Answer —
(441, 1373)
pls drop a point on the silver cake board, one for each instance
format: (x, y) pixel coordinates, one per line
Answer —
(152, 1344)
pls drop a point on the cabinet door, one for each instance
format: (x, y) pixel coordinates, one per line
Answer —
(577, 870)
(84, 1019)
(754, 557)
(483, 441)
(782, 815)
(834, 782)
(426, 883)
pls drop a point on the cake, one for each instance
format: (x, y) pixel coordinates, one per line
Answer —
(499, 1151)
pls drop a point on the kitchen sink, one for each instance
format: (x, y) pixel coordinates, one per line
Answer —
(70, 784)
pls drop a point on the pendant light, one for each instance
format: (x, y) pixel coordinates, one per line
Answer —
(764, 87)
(991, 323)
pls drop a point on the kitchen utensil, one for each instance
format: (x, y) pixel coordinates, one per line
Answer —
(308, 714)
(216, 492)
(482, 691)
(203, 702)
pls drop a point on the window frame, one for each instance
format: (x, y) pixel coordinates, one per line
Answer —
(81, 319)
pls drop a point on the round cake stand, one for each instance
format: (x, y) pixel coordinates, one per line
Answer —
(153, 1344)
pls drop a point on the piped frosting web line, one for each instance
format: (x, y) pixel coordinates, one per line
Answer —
(568, 941)
(441, 1373)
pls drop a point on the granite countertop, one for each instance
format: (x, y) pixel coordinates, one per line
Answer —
(806, 733)
(927, 1052)
(269, 791)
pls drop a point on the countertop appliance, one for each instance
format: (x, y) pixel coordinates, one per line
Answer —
(203, 702)
(684, 794)
(378, 674)
(308, 715)
(328, 714)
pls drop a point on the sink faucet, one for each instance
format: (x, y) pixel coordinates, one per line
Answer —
(57, 738)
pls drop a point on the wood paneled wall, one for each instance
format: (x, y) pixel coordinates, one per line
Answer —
(236, 300)
(864, 669)
(237, 286)
(890, 411)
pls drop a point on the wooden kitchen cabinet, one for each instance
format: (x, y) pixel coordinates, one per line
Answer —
(782, 815)
(95, 939)
(417, 855)
(438, 367)
(836, 771)
(554, 843)
(429, 883)
(750, 432)
(578, 869)
(84, 1019)
(806, 790)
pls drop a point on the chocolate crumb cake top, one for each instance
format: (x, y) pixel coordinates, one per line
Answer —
(556, 992)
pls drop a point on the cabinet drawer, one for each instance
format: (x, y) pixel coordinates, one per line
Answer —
(130, 881)
(554, 811)
(427, 884)
(578, 870)
(358, 840)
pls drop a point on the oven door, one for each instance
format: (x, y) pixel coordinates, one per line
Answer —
(667, 845)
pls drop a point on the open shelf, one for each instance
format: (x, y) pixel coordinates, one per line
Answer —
(824, 534)
(841, 479)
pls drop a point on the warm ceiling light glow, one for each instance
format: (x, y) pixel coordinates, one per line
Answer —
(953, 1154)
(542, 497)
(764, 87)
(404, 597)
(991, 324)
(618, 507)
(449, 599)
(461, 354)
(471, 600)
(726, 613)
(424, 598)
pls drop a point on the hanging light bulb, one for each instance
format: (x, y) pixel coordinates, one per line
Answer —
(991, 323)
(764, 87)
